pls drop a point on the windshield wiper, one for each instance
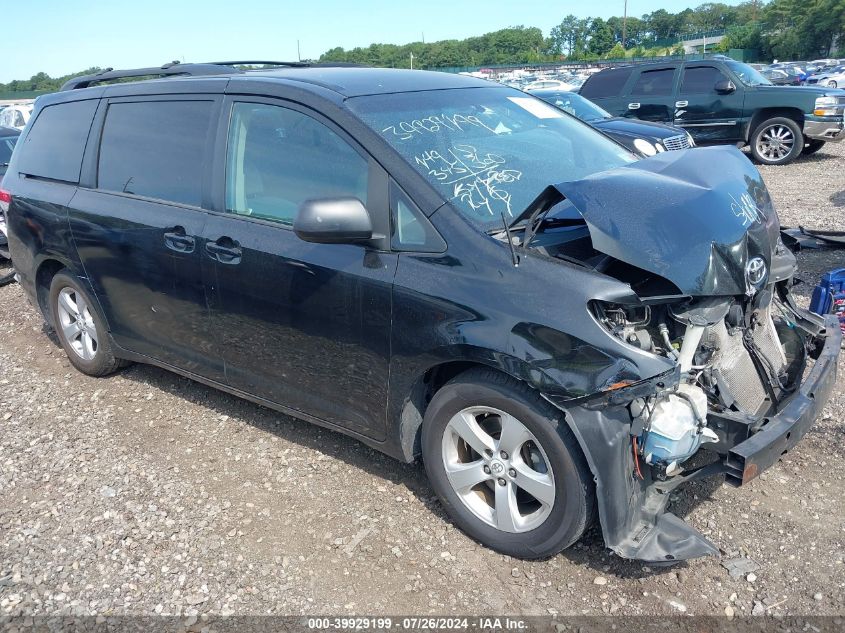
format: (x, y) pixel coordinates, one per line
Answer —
(535, 212)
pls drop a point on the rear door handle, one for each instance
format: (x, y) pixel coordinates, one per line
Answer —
(225, 250)
(681, 104)
(634, 106)
(177, 240)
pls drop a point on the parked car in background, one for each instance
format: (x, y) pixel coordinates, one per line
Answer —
(15, 116)
(438, 266)
(8, 138)
(548, 84)
(642, 137)
(781, 77)
(832, 78)
(724, 101)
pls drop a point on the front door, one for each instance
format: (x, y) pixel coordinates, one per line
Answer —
(138, 228)
(303, 325)
(705, 113)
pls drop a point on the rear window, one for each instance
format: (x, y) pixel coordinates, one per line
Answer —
(155, 149)
(652, 83)
(607, 83)
(55, 143)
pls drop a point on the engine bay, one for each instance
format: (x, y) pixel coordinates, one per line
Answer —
(737, 355)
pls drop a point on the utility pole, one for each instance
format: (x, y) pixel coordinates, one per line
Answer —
(298, 56)
(624, 23)
(412, 61)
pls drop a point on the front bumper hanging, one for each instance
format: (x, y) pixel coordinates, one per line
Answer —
(633, 514)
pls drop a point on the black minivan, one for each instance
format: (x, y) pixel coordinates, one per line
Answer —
(441, 267)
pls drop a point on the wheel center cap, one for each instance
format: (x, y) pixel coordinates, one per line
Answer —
(497, 467)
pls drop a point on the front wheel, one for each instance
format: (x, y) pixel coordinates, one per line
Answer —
(506, 466)
(832, 84)
(777, 141)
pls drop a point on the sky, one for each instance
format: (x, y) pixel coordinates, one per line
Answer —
(60, 37)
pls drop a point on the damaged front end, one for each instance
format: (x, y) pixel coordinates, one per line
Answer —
(700, 248)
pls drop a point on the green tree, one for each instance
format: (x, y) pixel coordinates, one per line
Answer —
(601, 37)
(617, 52)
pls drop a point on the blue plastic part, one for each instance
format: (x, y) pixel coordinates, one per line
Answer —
(829, 296)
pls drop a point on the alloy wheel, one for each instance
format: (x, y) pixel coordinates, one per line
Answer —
(775, 142)
(498, 469)
(77, 323)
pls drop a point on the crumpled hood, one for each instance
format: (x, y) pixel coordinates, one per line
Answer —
(694, 217)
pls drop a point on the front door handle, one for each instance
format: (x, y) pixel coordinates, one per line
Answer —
(681, 104)
(177, 240)
(225, 250)
(634, 106)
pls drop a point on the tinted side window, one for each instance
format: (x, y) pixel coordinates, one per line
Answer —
(652, 83)
(700, 79)
(56, 141)
(607, 83)
(278, 158)
(155, 149)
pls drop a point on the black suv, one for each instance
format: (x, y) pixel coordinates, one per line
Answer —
(438, 266)
(722, 101)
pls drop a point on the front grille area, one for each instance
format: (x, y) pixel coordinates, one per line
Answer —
(681, 141)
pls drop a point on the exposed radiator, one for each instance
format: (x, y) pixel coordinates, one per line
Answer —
(732, 365)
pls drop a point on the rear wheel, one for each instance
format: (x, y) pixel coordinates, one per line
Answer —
(777, 141)
(812, 146)
(506, 466)
(80, 327)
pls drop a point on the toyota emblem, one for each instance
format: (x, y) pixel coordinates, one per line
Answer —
(755, 271)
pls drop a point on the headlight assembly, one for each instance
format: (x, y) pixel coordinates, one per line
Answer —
(826, 106)
(645, 147)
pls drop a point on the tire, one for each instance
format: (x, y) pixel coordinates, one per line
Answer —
(832, 84)
(80, 327)
(494, 401)
(812, 146)
(776, 141)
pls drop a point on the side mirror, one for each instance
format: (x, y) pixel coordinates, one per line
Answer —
(333, 221)
(724, 86)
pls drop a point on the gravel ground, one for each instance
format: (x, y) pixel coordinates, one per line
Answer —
(145, 493)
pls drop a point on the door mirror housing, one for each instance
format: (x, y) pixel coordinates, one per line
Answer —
(724, 86)
(333, 221)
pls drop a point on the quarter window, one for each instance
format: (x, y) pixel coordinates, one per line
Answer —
(54, 145)
(278, 158)
(156, 149)
(700, 80)
(653, 83)
(410, 230)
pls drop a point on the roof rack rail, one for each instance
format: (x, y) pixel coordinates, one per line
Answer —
(190, 70)
(261, 63)
(171, 69)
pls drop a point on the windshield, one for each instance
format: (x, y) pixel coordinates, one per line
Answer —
(575, 104)
(747, 75)
(490, 151)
